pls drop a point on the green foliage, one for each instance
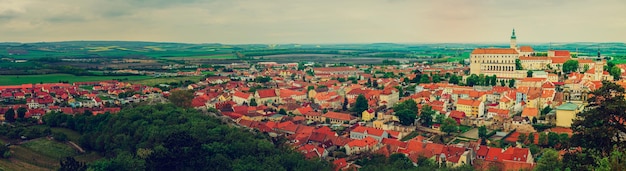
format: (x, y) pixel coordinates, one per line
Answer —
(253, 102)
(482, 132)
(406, 111)
(360, 105)
(546, 110)
(70, 164)
(264, 79)
(436, 78)
(454, 79)
(282, 111)
(518, 64)
(512, 83)
(570, 66)
(502, 83)
(181, 98)
(449, 125)
(5, 151)
(9, 115)
(616, 72)
(529, 73)
(59, 136)
(616, 161)
(549, 161)
(424, 79)
(599, 128)
(426, 115)
(179, 139)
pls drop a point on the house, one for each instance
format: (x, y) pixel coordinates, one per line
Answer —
(565, 114)
(339, 118)
(368, 115)
(530, 112)
(314, 116)
(311, 151)
(286, 94)
(361, 145)
(266, 96)
(361, 132)
(473, 108)
(242, 98)
(457, 116)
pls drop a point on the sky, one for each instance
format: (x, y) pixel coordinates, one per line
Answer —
(314, 21)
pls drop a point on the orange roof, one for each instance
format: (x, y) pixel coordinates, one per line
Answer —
(241, 95)
(533, 79)
(468, 102)
(585, 61)
(526, 49)
(369, 130)
(266, 93)
(338, 116)
(561, 53)
(530, 112)
(367, 141)
(523, 58)
(559, 60)
(494, 51)
(284, 93)
(334, 69)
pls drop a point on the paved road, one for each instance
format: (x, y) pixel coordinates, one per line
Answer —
(472, 133)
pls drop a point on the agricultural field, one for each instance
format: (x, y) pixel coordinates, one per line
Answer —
(50, 148)
(220, 56)
(165, 80)
(55, 78)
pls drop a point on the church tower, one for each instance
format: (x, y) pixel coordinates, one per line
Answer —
(514, 41)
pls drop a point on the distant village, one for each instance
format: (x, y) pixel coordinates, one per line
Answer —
(319, 108)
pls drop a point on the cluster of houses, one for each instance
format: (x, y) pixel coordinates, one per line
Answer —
(77, 98)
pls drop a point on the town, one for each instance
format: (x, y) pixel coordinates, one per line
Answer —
(502, 107)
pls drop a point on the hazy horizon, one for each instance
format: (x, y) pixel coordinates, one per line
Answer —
(314, 22)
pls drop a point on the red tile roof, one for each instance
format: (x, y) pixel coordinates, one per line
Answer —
(242, 95)
(530, 112)
(369, 131)
(494, 51)
(265, 93)
(526, 49)
(338, 116)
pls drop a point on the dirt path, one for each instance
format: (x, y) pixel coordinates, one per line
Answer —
(80, 149)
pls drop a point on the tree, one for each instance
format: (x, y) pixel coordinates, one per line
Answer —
(570, 66)
(59, 136)
(616, 161)
(482, 132)
(502, 83)
(406, 117)
(344, 106)
(425, 79)
(436, 78)
(5, 151)
(472, 80)
(282, 111)
(9, 115)
(599, 127)
(21, 112)
(512, 83)
(529, 73)
(449, 125)
(426, 115)
(181, 98)
(546, 110)
(454, 79)
(549, 161)
(518, 64)
(585, 67)
(494, 80)
(375, 84)
(70, 164)
(360, 105)
(522, 138)
(543, 139)
(531, 139)
(253, 102)
(616, 72)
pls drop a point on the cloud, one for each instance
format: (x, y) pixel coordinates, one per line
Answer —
(320, 21)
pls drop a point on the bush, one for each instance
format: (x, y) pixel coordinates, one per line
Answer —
(59, 136)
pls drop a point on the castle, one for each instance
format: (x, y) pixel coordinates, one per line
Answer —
(502, 62)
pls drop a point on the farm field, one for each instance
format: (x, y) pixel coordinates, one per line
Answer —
(165, 80)
(221, 56)
(54, 78)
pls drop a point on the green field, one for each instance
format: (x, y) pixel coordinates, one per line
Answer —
(50, 148)
(165, 80)
(55, 78)
(221, 56)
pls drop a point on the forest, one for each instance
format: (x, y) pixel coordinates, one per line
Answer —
(165, 137)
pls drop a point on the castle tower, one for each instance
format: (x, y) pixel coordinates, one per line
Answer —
(514, 41)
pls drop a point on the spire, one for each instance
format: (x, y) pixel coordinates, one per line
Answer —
(513, 34)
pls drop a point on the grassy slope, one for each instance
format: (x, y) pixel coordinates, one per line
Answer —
(53, 78)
